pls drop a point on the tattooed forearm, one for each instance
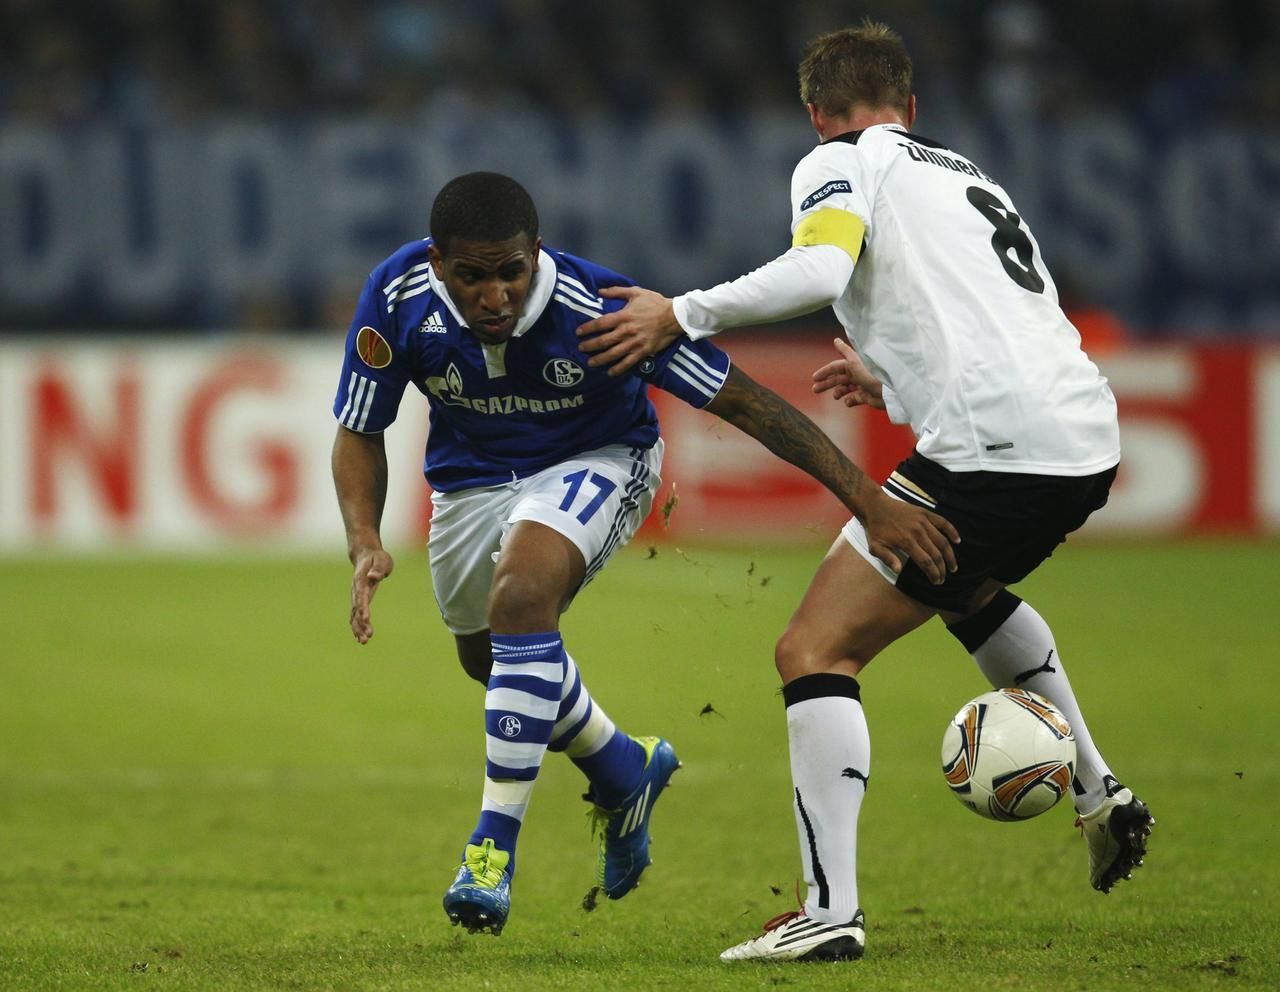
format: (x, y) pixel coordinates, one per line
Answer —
(792, 436)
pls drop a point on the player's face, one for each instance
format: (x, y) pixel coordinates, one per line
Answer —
(489, 282)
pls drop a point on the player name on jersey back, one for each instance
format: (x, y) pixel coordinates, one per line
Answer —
(919, 153)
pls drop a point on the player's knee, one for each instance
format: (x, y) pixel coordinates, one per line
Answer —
(797, 654)
(522, 604)
(476, 668)
(475, 655)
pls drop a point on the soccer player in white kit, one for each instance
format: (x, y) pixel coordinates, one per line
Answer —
(955, 329)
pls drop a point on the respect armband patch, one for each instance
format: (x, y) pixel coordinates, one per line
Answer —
(830, 189)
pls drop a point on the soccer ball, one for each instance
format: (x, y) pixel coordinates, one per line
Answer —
(1008, 755)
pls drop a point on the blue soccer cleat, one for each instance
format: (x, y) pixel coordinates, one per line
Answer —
(624, 831)
(480, 896)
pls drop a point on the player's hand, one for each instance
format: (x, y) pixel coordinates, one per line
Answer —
(642, 328)
(895, 528)
(849, 380)
(372, 565)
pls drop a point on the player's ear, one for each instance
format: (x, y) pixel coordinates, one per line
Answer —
(537, 249)
(911, 111)
(815, 117)
(436, 259)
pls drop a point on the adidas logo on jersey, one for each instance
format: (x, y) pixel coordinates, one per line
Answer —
(434, 324)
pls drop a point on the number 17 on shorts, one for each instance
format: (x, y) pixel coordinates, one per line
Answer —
(597, 500)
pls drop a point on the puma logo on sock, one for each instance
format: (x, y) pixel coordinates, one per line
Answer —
(1033, 672)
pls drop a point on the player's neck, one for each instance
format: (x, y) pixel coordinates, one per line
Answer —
(858, 118)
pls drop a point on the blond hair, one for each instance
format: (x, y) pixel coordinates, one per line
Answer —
(866, 65)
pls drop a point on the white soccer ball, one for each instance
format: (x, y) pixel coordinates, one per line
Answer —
(1009, 755)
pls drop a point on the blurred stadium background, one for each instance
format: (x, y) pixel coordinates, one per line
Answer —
(201, 774)
(192, 194)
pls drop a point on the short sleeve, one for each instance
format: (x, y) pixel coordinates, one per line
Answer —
(692, 370)
(374, 374)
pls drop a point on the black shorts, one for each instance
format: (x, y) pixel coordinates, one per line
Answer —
(1008, 522)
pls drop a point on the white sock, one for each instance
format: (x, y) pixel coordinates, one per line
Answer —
(1014, 647)
(830, 762)
(582, 727)
(520, 707)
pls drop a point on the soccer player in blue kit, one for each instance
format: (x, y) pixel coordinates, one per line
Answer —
(541, 468)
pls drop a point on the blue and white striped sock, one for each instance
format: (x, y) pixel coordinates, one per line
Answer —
(612, 761)
(520, 710)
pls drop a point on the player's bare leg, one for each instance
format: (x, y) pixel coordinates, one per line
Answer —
(1015, 648)
(848, 615)
(474, 655)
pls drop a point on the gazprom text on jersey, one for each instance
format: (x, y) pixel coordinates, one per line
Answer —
(501, 404)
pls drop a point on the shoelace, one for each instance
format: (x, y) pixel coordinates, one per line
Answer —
(782, 919)
(485, 873)
(597, 816)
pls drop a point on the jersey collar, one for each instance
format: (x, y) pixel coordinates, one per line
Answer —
(851, 137)
(544, 284)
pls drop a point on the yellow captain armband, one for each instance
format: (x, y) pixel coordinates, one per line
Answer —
(831, 226)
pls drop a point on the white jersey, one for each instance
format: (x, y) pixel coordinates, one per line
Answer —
(951, 307)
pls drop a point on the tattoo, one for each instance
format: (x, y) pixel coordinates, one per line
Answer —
(789, 434)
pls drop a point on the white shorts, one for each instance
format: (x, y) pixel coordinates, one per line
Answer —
(598, 500)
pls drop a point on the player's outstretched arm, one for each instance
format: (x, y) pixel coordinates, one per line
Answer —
(360, 478)
(642, 328)
(894, 528)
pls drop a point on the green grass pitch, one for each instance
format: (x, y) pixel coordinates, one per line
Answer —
(206, 784)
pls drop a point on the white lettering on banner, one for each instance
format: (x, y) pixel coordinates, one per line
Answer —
(1267, 485)
(1161, 477)
(1150, 374)
(1161, 480)
(146, 222)
(685, 175)
(42, 229)
(249, 170)
(1210, 184)
(1102, 167)
(774, 146)
(358, 171)
(573, 196)
(139, 212)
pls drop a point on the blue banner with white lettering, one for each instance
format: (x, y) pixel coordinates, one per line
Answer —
(250, 224)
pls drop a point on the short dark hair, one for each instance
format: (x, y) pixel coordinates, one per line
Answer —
(866, 65)
(482, 206)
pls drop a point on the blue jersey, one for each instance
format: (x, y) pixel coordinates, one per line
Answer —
(502, 412)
